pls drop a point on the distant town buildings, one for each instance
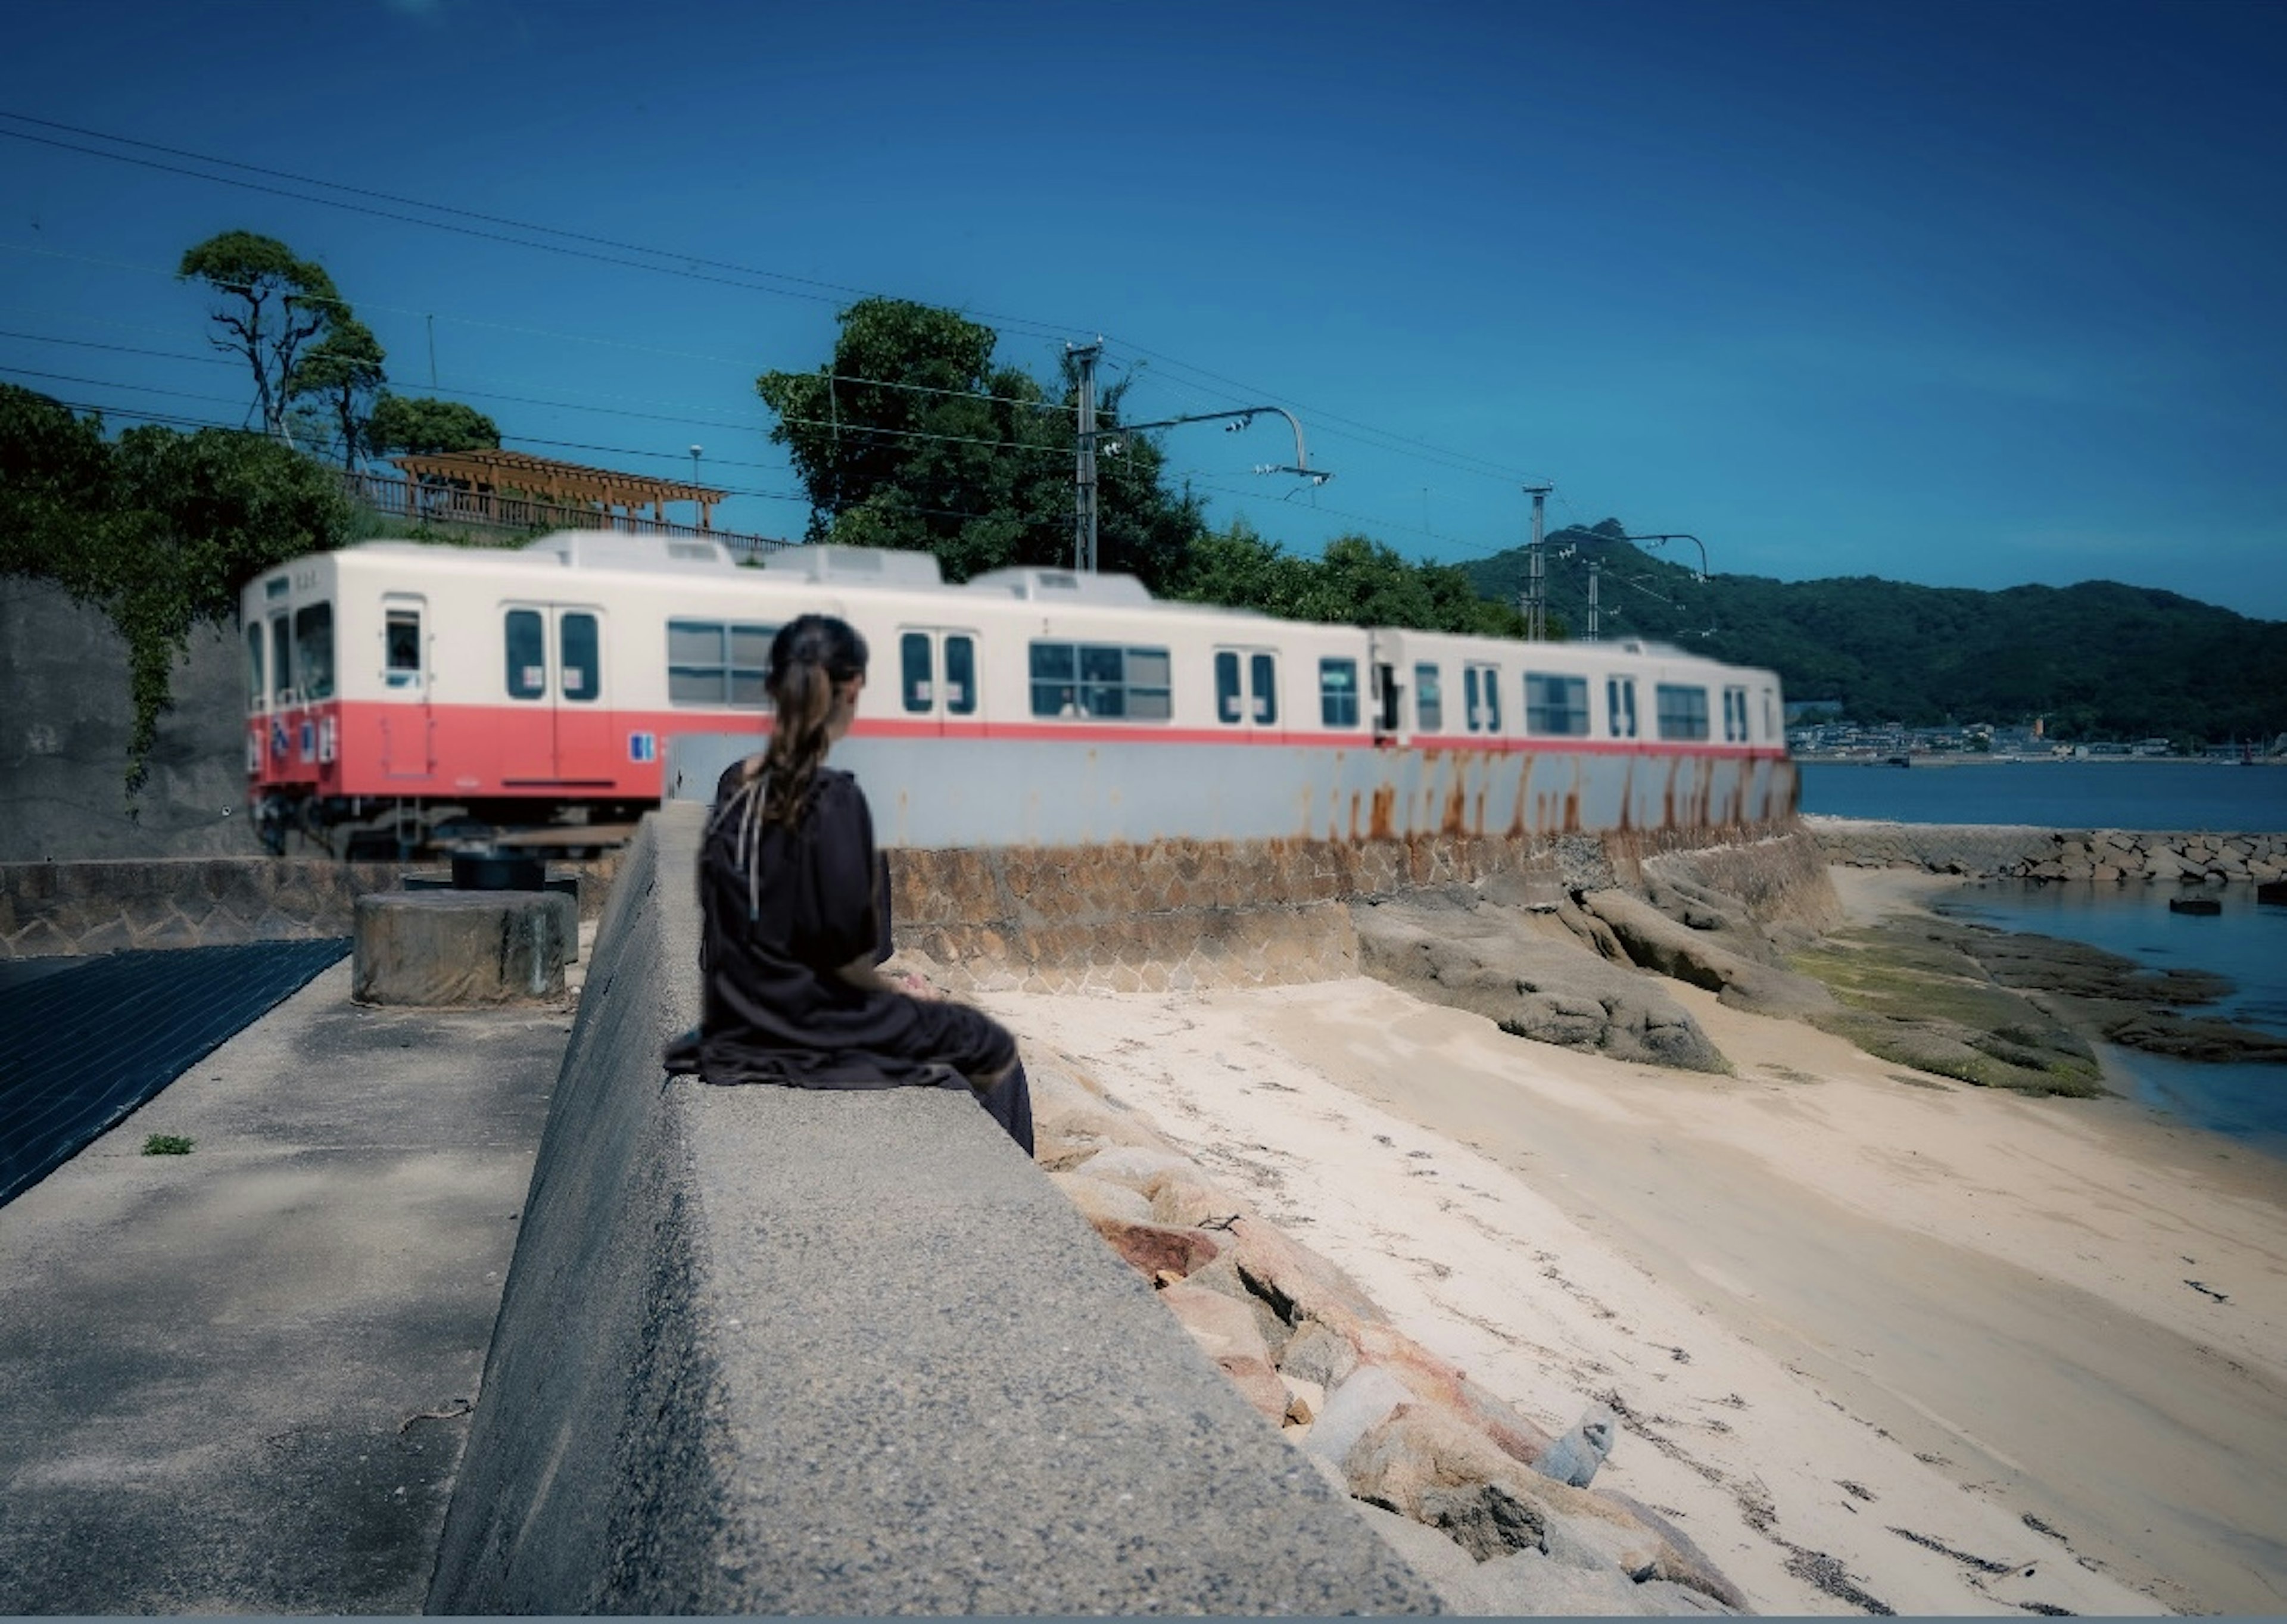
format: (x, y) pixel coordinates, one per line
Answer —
(1814, 740)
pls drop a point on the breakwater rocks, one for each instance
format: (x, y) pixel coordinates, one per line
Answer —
(2006, 851)
(1493, 1510)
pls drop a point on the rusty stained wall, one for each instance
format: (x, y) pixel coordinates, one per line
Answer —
(1187, 913)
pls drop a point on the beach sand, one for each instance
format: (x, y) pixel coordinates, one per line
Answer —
(1874, 1335)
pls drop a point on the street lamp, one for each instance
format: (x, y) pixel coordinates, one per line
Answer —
(695, 450)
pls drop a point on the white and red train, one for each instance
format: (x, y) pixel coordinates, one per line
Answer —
(574, 678)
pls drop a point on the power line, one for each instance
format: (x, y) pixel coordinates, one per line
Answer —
(1382, 438)
(828, 292)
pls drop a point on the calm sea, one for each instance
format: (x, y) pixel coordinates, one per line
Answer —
(2247, 942)
(2062, 794)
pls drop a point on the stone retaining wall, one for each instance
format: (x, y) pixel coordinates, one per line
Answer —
(2007, 851)
(50, 909)
(1201, 912)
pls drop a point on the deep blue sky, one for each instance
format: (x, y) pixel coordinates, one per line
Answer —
(1971, 296)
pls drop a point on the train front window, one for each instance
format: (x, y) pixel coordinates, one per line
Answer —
(1428, 701)
(281, 660)
(1555, 704)
(313, 652)
(254, 666)
(526, 640)
(581, 646)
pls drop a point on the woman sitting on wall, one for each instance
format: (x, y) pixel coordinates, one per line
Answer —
(796, 918)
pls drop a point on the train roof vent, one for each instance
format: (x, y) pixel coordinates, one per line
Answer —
(617, 549)
(870, 566)
(1064, 586)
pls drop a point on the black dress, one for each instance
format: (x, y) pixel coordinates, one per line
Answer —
(783, 910)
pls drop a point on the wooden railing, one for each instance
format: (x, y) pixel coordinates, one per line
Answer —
(420, 504)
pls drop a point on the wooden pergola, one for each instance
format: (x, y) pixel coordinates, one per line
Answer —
(482, 483)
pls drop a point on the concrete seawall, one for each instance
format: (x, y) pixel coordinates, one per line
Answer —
(2009, 852)
(767, 1350)
(48, 909)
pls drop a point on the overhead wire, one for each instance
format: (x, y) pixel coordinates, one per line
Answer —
(656, 259)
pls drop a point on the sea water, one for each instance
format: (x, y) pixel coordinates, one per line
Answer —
(2220, 797)
(2247, 942)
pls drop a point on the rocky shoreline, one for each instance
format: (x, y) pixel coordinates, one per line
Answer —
(1991, 1008)
(1497, 1514)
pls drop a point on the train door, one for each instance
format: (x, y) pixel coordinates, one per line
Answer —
(554, 670)
(407, 727)
(585, 727)
(1246, 689)
(937, 677)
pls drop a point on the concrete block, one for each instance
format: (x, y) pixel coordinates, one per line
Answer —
(434, 947)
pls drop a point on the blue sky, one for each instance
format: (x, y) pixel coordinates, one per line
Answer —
(1970, 296)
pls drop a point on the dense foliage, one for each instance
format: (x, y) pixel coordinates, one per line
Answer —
(911, 437)
(2098, 660)
(426, 426)
(157, 528)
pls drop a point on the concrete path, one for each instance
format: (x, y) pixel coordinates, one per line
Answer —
(231, 1381)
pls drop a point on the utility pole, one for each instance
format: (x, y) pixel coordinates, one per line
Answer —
(1596, 568)
(1535, 602)
(1084, 462)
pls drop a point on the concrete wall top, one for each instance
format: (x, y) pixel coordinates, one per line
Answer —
(769, 1350)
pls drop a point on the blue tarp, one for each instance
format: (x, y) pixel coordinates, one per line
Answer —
(83, 1045)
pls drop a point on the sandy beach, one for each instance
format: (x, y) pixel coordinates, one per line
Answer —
(1873, 1335)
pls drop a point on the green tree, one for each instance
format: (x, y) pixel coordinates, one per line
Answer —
(426, 426)
(911, 437)
(269, 305)
(159, 529)
(341, 373)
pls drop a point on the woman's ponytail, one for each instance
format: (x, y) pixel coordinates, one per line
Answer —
(811, 656)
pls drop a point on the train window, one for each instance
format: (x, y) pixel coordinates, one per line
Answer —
(1101, 679)
(711, 664)
(254, 666)
(528, 653)
(400, 643)
(1735, 715)
(281, 660)
(1428, 701)
(961, 676)
(913, 653)
(313, 651)
(1621, 707)
(1264, 670)
(1682, 711)
(1227, 695)
(1481, 690)
(1770, 715)
(1054, 667)
(1554, 704)
(1338, 692)
(582, 650)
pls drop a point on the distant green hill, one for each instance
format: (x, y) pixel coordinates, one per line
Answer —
(2098, 659)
